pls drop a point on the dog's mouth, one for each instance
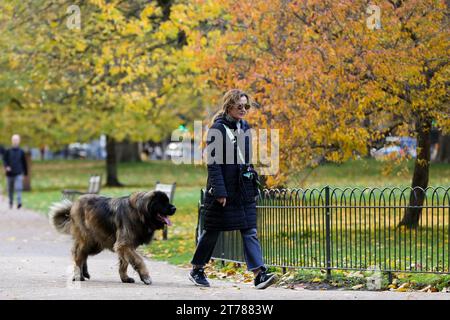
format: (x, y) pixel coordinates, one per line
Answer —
(164, 219)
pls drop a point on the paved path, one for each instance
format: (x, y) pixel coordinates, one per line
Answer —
(35, 264)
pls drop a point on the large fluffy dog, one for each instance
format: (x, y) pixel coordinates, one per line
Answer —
(119, 224)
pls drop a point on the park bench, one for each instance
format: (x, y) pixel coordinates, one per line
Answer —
(168, 189)
(93, 188)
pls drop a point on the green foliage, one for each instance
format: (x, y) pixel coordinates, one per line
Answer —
(128, 72)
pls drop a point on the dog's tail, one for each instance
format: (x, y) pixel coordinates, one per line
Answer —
(59, 215)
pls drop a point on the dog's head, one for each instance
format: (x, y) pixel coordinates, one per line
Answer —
(153, 206)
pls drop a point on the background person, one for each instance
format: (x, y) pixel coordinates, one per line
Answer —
(15, 165)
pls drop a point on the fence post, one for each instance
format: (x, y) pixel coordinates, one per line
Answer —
(328, 231)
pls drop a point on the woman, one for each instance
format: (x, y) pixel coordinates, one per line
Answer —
(230, 191)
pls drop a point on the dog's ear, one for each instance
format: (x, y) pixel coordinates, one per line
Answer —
(150, 197)
(139, 201)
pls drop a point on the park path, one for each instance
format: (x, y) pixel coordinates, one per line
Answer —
(35, 264)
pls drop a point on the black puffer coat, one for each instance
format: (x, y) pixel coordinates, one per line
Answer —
(225, 180)
(15, 159)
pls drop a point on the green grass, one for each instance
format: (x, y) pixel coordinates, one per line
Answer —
(367, 173)
(358, 280)
(50, 177)
(418, 281)
(74, 174)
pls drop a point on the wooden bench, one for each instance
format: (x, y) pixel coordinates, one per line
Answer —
(95, 182)
(168, 189)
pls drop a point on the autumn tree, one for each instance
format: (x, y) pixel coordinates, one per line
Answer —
(126, 72)
(331, 81)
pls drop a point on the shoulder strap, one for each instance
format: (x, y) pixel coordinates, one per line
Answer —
(233, 139)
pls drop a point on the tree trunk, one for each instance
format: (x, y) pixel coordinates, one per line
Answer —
(111, 163)
(27, 179)
(420, 178)
(444, 149)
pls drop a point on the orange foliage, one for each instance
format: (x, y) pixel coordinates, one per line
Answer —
(327, 81)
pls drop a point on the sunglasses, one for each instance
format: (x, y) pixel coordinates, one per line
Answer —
(240, 107)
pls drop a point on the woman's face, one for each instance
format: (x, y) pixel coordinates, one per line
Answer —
(239, 110)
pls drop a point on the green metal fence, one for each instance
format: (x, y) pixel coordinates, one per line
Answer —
(347, 229)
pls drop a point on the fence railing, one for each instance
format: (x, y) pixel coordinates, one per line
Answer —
(347, 229)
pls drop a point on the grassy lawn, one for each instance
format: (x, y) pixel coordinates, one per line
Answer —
(368, 173)
(50, 177)
(361, 280)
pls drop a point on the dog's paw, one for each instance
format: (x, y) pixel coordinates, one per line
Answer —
(147, 280)
(86, 275)
(78, 278)
(128, 280)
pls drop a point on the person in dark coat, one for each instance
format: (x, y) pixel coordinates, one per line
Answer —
(231, 190)
(15, 165)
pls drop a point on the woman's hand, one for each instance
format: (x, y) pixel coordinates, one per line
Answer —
(222, 201)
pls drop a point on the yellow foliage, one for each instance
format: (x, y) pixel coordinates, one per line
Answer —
(321, 74)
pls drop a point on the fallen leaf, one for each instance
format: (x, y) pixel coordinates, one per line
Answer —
(392, 286)
(425, 289)
(357, 287)
(231, 272)
(403, 288)
(356, 274)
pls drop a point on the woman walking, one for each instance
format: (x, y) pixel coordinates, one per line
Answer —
(231, 191)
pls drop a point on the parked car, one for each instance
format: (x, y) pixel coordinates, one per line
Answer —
(179, 149)
(174, 149)
(78, 150)
(396, 147)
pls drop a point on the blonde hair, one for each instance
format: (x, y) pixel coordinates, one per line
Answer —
(229, 100)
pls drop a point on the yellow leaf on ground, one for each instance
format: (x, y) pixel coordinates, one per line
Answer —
(425, 289)
(403, 288)
(231, 272)
(392, 286)
(357, 287)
